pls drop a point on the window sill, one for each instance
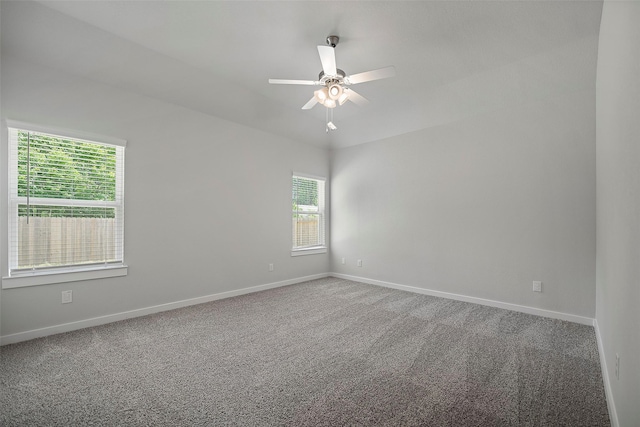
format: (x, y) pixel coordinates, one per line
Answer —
(309, 251)
(47, 278)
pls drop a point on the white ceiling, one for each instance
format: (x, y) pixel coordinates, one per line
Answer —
(452, 59)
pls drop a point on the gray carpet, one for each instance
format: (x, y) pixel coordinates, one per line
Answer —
(324, 353)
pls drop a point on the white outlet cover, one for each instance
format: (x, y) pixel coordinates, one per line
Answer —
(537, 286)
(67, 297)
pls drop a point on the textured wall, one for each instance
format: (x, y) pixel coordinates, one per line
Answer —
(618, 207)
(480, 207)
(207, 203)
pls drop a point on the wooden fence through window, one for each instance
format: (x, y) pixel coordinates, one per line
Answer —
(61, 241)
(306, 232)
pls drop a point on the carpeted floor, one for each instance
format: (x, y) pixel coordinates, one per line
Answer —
(324, 353)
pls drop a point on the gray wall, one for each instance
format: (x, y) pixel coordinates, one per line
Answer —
(618, 206)
(480, 207)
(207, 203)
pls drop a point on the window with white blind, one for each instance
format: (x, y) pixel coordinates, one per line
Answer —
(308, 215)
(66, 206)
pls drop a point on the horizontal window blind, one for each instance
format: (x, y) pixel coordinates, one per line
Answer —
(66, 202)
(308, 216)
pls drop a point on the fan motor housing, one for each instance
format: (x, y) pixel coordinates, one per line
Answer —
(339, 77)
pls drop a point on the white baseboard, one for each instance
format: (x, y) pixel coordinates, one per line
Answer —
(613, 415)
(95, 321)
(101, 320)
(507, 306)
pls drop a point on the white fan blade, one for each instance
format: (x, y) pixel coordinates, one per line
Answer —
(368, 76)
(328, 59)
(356, 98)
(310, 104)
(292, 82)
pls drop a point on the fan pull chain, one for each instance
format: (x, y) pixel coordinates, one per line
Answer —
(326, 115)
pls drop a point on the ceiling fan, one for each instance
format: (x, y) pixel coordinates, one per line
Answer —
(335, 83)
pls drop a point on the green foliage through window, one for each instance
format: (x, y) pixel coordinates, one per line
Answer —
(43, 211)
(58, 168)
(305, 192)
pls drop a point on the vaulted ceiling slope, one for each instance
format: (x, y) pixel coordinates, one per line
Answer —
(453, 59)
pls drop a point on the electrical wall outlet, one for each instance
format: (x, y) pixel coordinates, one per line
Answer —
(344, 261)
(537, 286)
(617, 366)
(270, 267)
(67, 297)
(359, 263)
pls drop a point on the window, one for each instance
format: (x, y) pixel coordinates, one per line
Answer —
(66, 206)
(308, 219)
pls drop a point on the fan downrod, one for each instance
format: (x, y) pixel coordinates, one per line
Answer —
(333, 41)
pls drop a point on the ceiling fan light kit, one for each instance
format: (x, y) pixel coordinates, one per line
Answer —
(321, 95)
(335, 81)
(335, 90)
(328, 96)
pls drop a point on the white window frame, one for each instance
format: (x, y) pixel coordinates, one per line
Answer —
(61, 274)
(322, 248)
